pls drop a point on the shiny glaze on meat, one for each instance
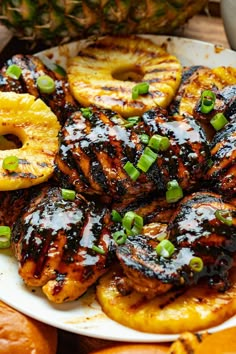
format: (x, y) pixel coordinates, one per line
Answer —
(53, 241)
(60, 101)
(195, 231)
(94, 151)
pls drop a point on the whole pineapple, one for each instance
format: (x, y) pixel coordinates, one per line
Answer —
(56, 21)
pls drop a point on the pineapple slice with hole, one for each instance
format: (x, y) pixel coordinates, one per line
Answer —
(205, 79)
(105, 73)
(37, 128)
(193, 309)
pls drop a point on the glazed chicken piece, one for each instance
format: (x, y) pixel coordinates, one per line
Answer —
(197, 229)
(61, 245)
(94, 151)
(222, 173)
(60, 101)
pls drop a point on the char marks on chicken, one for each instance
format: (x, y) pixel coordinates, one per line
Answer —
(195, 231)
(54, 241)
(94, 150)
(60, 101)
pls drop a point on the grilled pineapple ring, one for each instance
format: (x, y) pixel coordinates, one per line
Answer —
(37, 127)
(105, 73)
(196, 308)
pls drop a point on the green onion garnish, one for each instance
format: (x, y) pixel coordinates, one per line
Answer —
(116, 216)
(207, 101)
(131, 170)
(158, 142)
(10, 163)
(132, 223)
(5, 236)
(224, 216)
(165, 248)
(46, 84)
(68, 194)
(196, 264)
(119, 237)
(131, 121)
(144, 138)
(174, 192)
(147, 159)
(218, 121)
(86, 112)
(140, 89)
(98, 249)
(14, 71)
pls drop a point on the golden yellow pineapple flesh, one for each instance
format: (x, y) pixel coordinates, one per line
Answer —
(37, 128)
(205, 79)
(105, 73)
(193, 309)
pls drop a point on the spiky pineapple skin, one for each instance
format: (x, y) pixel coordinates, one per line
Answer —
(59, 21)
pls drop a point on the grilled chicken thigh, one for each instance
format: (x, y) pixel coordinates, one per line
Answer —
(60, 101)
(197, 229)
(94, 150)
(61, 245)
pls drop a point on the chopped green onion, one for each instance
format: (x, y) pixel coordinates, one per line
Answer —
(14, 71)
(218, 121)
(158, 142)
(131, 121)
(10, 163)
(207, 101)
(196, 264)
(119, 237)
(140, 89)
(46, 84)
(174, 192)
(144, 138)
(165, 248)
(116, 216)
(98, 249)
(68, 194)
(5, 236)
(86, 112)
(147, 159)
(131, 170)
(132, 223)
(53, 66)
(161, 236)
(224, 216)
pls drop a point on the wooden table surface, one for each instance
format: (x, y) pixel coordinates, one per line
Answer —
(201, 27)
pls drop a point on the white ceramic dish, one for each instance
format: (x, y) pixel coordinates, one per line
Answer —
(85, 316)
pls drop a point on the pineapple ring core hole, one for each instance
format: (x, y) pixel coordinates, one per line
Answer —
(10, 142)
(128, 73)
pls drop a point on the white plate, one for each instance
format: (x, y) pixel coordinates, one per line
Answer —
(85, 316)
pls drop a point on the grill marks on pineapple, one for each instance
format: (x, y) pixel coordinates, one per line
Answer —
(91, 77)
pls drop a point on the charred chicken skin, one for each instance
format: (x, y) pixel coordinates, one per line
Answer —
(61, 245)
(94, 151)
(195, 230)
(60, 101)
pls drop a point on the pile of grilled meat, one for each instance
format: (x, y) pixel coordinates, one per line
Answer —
(53, 239)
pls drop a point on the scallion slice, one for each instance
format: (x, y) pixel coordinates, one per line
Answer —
(132, 223)
(116, 216)
(165, 248)
(120, 237)
(68, 194)
(10, 163)
(140, 89)
(131, 170)
(196, 264)
(158, 142)
(46, 84)
(207, 101)
(5, 236)
(144, 138)
(224, 216)
(147, 159)
(86, 112)
(98, 249)
(174, 192)
(218, 121)
(14, 71)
